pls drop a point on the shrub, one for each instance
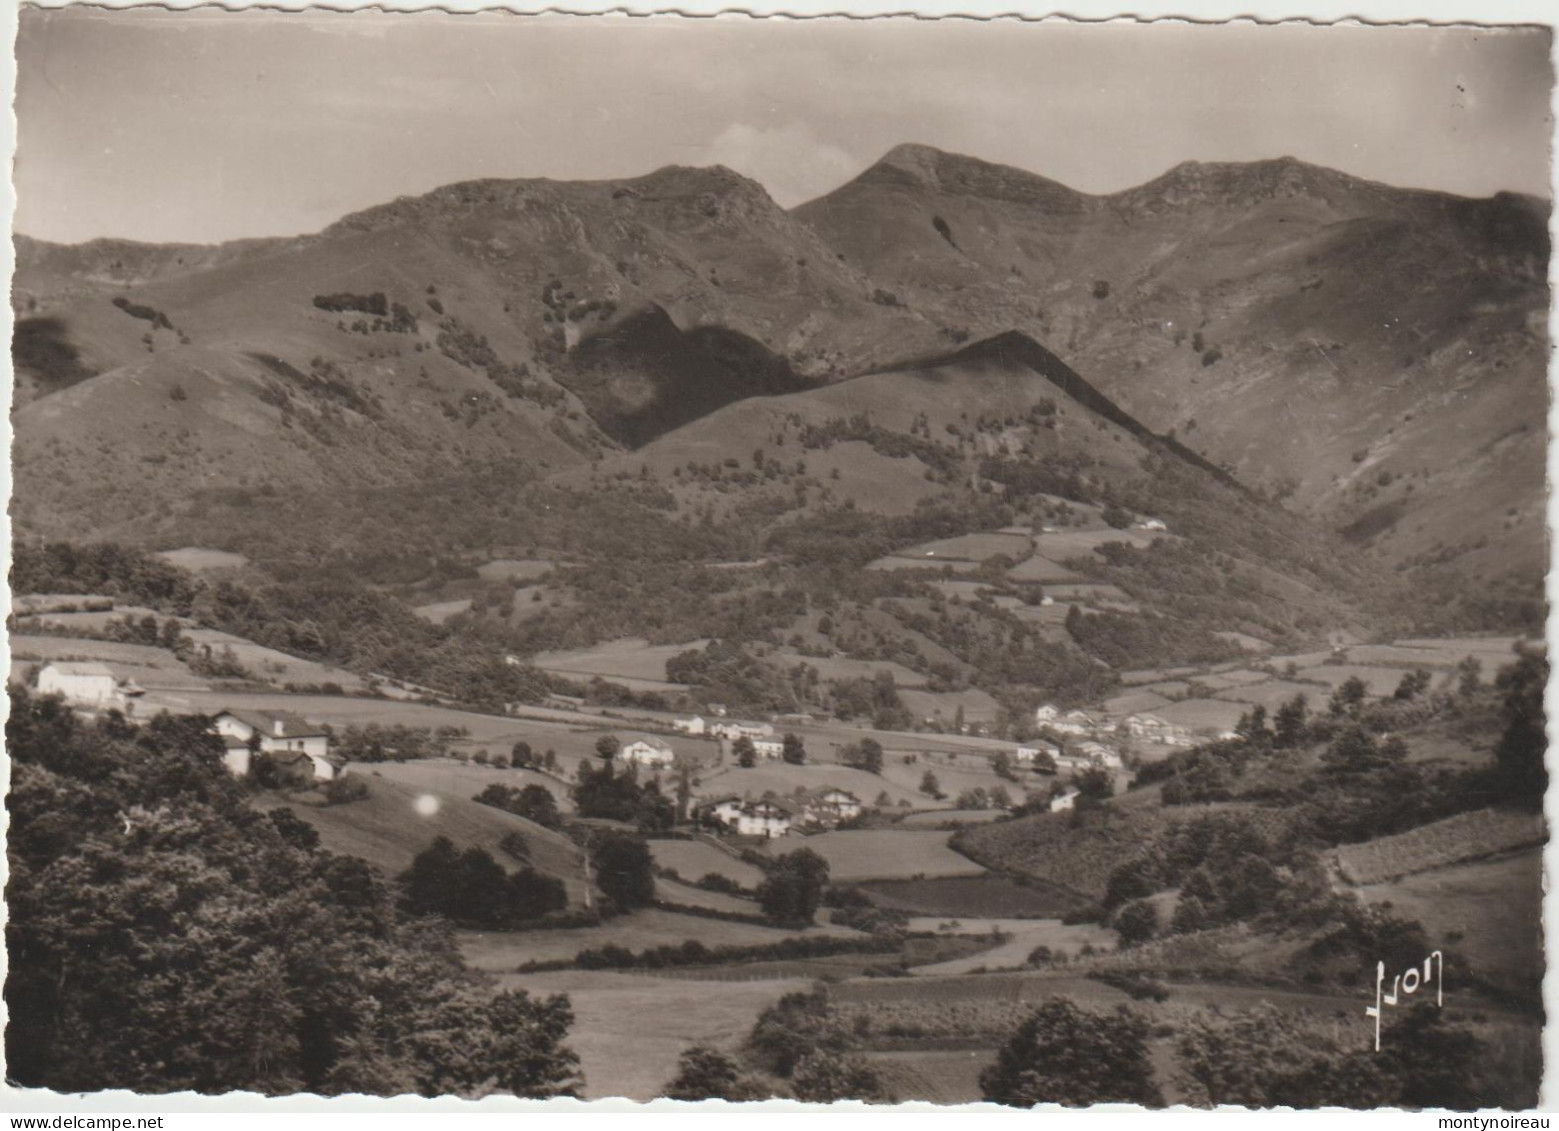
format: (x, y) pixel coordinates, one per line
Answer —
(346, 789)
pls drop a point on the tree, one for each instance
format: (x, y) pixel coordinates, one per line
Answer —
(624, 869)
(1469, 677)
(828, 1077)
(958, 720)
(1064, 1055)
(1412, 685)
(793, 887)
(746, 753)
(1289, 724)
(869, 756)
(1518, 755)
(704, 1073)
(225, 953)
(795, 751)
(521, 756)
(1136, 922)
(606, 748)
(1116, 516)
(1190, 915)
(1252, 726)
(1001, 766)
(1096, 784)
(798, 1025)
(536, 803)
(1349, 697)
(930, 786)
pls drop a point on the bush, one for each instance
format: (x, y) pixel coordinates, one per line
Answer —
(345, 789)
(1065, 1055)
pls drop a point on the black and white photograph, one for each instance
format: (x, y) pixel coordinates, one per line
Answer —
(897, 560)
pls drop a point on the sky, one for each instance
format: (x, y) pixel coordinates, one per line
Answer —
(207, 126)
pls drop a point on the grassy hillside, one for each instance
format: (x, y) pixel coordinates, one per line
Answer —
(1371, 350)
(388, 829)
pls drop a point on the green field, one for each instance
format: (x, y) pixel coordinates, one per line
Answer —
(629, 658)
(500, 951)
(449, 777)
(387, 829)
(972, 897)
(693, 860)
(1490, 911)
(868, 854)
(629, 1029)
(1024, 936)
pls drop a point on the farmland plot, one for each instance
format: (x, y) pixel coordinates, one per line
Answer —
(973, 547)
(1466, 836)
(969, 897)
(693, 860)
(630, 1029)
(868, 854)
(152, 668)
(498, 951)
(625, 659)
(938, 1076)
(1025, 935)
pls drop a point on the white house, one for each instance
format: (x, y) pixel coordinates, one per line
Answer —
(1064, 801)
(735, 729)
(648, 752)
(763, 818)
(286, 737)
(1075, 722)
(1028, 752)
(1152, 524)
(91, 686)
(834, 805)
(726, 809)
(694, 725)
(1100, 755)
(1152, 728)
(1046, 713)
(768, 747)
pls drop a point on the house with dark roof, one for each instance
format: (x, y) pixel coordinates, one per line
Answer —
(288, 738)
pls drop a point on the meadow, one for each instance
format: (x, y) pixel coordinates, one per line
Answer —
(629, 658)
(389, 828)
(693, 860)
(629, 1029)
(980, 896)
(500, 951)
(1023, 936)
(869, 854)
(1463, 837)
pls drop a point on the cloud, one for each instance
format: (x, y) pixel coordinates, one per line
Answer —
(789, 160)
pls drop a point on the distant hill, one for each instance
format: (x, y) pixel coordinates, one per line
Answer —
(1376, 352)
(1372, 355)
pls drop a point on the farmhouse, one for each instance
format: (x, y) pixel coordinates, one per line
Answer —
(832, 806)
(694, 725)
(1076, 722)
(1028, 753)
(768, 747)
(1152, 524)
(1064, 801)
(735, 729)
(286, 737)
(1099, 755)
(764, 818)
(1046, 713)
(89, 686)
(648, 752)
(725, 809)
(1152, 728)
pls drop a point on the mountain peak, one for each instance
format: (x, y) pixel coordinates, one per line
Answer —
(912, 164)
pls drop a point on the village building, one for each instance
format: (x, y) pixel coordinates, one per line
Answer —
(734, 730)
(1076, 722)
(834, 805)
(726, 809)
(1152, 728)
(694, 725)
(768, 747)
(1046, 713)
(289, 739)
(88, 686)
(1100, 755)
(1064, 801)
(1027, 753)
(652, 752)
(767, 819)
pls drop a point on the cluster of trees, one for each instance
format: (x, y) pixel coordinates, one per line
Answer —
(472, 889)
(619, 795)
(533, 802)
(394, 742)
(801, 1039)
(164, 936)
(793, 886)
